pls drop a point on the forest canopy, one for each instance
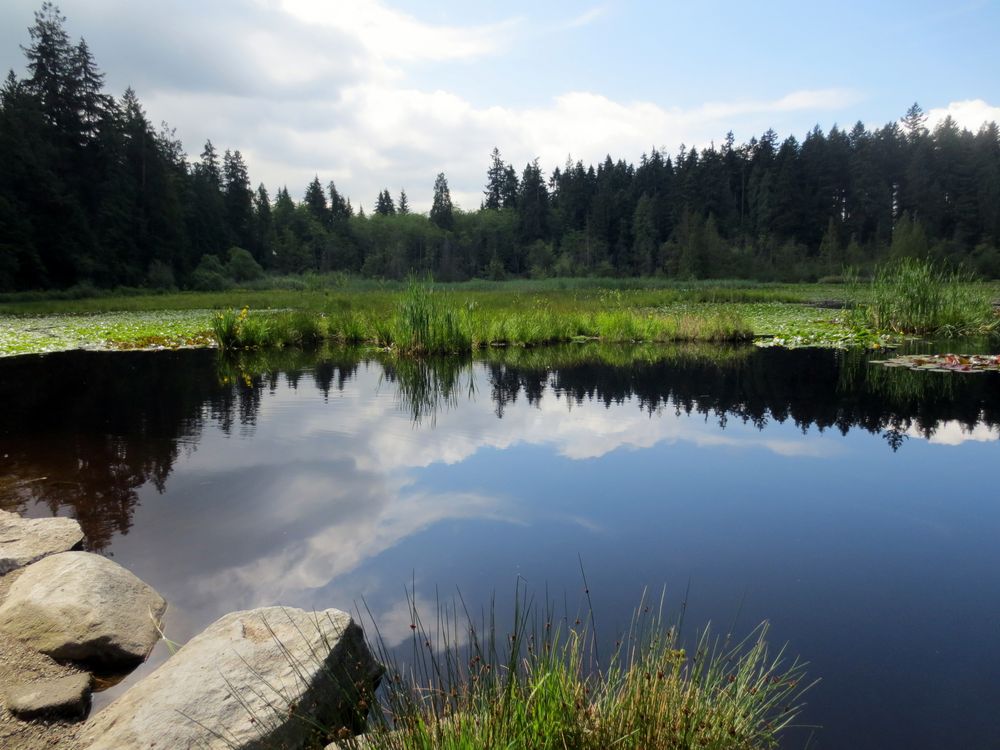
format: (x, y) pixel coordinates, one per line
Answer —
(92, 193)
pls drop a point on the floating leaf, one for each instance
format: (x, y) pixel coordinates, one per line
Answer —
(945, 362)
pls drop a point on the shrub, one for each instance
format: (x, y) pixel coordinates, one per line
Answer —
(241, 265)
(210, 275)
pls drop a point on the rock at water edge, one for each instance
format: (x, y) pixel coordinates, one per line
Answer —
(82, 607)
(253, 679)
(25, 540)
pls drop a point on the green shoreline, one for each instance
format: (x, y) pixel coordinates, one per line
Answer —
(482, 314)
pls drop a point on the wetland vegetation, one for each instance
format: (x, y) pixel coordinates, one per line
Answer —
(906, 298)
(598, 286)
(465, 685)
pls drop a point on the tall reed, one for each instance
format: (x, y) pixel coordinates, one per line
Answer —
(919, 296)
(542, 686)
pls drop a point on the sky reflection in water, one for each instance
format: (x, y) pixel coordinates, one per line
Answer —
(870, 543)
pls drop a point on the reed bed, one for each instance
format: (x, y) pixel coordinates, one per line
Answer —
(921, 297)
(542, 686)
(426, 321)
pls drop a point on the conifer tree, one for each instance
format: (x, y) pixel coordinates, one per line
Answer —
(442, 212)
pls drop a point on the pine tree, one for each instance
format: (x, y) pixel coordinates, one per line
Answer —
(384, 205)
(262, 246)
(509, 192)
(495, 182)
(533, 205)
(315, 201)
(50, 65)
(442, 212)
(210, 164)
(238, 199)
(92, 104)
(404, 205)
(340, 209)
(915, 122)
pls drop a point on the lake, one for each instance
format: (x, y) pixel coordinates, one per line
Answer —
(853, 506)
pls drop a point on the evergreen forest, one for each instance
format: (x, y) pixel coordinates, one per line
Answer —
(93, 195)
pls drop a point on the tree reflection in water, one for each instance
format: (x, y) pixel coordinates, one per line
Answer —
(81, 432)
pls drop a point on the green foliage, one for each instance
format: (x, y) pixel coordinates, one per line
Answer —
(241, 330)
(914, 296)
(517, 313)
(91, 192)
(210, 275)
(424, 325)
(241, 265)
(542, 685)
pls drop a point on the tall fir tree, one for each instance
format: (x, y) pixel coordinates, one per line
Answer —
(442, 211)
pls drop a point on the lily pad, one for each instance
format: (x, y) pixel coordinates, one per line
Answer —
(945, 362)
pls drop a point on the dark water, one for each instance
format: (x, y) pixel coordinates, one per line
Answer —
(854, 507)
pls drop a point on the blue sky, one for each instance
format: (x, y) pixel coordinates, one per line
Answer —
(386, 93)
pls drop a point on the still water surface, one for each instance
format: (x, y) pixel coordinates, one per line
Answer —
(854, 507)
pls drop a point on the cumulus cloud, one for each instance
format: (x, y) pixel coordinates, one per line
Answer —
(353, 91)
(955, 433)
(391, 35)
(969, 113)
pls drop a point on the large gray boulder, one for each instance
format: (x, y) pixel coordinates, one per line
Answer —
(25, 540)
(82, 607)
(254, 679)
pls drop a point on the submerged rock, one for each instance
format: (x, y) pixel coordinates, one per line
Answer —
(25, 540)
(253, 679)
(82, 607)
(62, 696)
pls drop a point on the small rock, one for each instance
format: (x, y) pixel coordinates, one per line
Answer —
(261, 678)
(65, 696)
(25, 540)
(82, 607)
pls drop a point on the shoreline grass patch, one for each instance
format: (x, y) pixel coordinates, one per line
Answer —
(921, 297)
(542, 685)
(425, 321)
(441, 318)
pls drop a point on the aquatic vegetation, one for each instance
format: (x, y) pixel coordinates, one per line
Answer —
(945, 362)
(425, 321)
(241, 330)
(166, 329)
(430, 318)
(913, 296)
(543, 685)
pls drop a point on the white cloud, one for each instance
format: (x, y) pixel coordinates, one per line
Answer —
(587, 17)
(376, 134)
(956, 433)
(321, 520)
(391, 35)
(969, 114)
(352, 91)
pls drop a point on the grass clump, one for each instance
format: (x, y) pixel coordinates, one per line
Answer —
(916, 296)
(423, 324)
(241, 330)
(428, 323)
(542, 686)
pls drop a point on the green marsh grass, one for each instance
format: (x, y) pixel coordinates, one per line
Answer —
(424, 320)
(542, 685)
(921, 297)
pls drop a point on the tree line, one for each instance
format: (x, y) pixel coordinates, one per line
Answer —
(92, 193)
